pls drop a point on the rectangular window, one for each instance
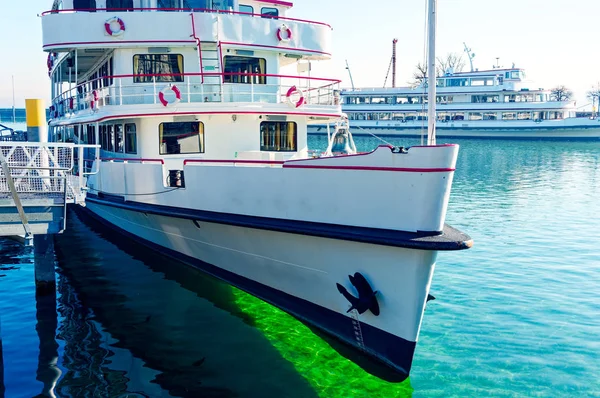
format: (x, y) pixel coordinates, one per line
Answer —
(167, 4)
(509, 115)
(91, 134)
(170, 66)
(269, 12)
(524, 116)
(119, 138)
(278, 136)
(119, 5)
(475, 116)
(110, 133)
(238, 69)
(248, 9)
(181, 137)
(130, 138)
(490, 116)
(196, 4)
(85, 5)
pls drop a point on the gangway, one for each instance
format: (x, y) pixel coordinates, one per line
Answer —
(38, 181)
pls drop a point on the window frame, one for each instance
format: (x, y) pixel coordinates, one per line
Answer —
(138, 78)
(239, 78)
(201, 139)
(281, 137)
(126, 134)
(245, 5)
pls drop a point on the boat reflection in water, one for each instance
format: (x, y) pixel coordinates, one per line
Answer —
(138, 322)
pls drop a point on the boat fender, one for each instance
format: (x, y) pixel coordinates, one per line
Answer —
(284, 33)
(110, 31)
(94, 101)
(293, 90)
(71, 103)
(163, 100)
(366, 299)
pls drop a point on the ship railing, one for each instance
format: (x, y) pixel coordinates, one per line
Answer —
(167, 89)
(58, 171)
(202, 10)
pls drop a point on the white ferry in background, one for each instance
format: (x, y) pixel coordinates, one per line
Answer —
(204, 156)
(494, 103)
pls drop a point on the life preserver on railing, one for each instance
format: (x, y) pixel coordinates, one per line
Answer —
(163, 100)
(94, 100)
(50, 62)
(293, 90)
(284, 33)
(108, 27)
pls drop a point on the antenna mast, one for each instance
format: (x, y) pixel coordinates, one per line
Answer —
(349, 73)
(431, 85)
(470, 55)
(394, 62)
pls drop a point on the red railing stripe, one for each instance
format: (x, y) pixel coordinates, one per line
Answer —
(232, 161)
(132, 160)
(369, 168)
(203, 10)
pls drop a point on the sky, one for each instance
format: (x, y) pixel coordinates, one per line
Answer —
(555, 41)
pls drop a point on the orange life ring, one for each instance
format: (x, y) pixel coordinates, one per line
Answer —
(163, 100)
(108, 28)
(288, 33)
(293, 90)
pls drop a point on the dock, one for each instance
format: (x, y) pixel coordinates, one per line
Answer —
(37, 182)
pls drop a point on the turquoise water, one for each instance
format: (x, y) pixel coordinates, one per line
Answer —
(517, 315)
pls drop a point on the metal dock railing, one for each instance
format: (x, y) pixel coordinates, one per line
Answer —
(37, 181)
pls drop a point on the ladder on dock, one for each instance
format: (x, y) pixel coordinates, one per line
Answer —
(38, 181)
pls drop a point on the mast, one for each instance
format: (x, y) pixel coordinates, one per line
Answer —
(470, 54)
(349, 73)
(431, 86)
(394, 62)
(13, 92)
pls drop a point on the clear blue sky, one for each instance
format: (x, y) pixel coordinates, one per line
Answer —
(554, 40)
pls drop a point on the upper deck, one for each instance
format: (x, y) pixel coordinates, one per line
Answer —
(248, 24)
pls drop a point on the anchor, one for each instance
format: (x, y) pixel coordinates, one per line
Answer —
(366, 299)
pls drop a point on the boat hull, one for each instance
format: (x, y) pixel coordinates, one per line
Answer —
(298, 273)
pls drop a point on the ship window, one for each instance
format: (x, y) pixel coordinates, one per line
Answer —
(84, 5)
(168, 4)
(278, 136)
(181, 137)
(196, 4)
(237, 69)
(119, 138)
(509, 115)
(130, 138)
(269, 12)
(524, 116)
(120, 5)
(475, 116)
(145, 66)
(490, 116)
(245, 8)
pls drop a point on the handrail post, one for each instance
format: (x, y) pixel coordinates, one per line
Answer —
(252, 90)
(120, 92)
(80, 152)
(189, 88)
(154, 85)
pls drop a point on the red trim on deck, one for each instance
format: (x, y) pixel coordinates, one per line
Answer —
(367, 168)
(279, 47)
(277, 3)
(132, 160)
(121, 116)
(275, 162)
(115, 42)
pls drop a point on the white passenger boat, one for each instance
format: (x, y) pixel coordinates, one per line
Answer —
(496, 103)
(204, 157)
